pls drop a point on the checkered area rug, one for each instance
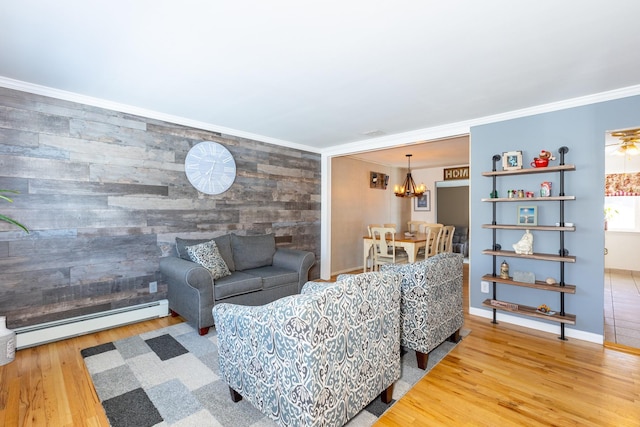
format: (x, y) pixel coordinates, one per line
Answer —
(170, 377)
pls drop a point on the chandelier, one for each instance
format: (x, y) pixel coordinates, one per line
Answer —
(409, 187)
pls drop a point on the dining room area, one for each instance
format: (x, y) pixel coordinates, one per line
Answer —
(389, 244)
(363, 196)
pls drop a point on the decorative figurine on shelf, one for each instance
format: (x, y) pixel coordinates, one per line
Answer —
(543, 160)
(544, 154)
(504, 270)
(525, 244)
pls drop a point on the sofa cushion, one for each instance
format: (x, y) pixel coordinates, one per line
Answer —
(207, 255)
(272, 276)
(253, 251)
(223, 243)
(237, 283)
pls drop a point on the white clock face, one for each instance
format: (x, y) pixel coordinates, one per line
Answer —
(210, 167)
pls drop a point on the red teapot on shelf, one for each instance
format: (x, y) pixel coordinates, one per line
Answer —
(543, 160)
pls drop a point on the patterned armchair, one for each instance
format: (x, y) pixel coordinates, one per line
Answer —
(318, 358)
(431, 302)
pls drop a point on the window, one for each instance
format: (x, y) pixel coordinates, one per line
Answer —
(624, 213)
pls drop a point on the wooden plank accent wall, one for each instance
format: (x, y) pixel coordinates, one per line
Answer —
(104, 194)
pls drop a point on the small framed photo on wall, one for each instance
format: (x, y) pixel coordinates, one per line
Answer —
(511, 160)
(422, 203)
(527, 215)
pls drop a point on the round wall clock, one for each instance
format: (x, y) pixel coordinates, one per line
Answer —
(210, 167)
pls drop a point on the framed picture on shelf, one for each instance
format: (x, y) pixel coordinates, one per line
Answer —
(527, 215)
(422, 203)
(511, 160)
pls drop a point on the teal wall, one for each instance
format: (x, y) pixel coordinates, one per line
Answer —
(582, 130)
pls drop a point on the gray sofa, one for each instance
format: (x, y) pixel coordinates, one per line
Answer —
(260, 273)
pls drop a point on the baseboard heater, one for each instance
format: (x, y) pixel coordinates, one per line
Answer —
(43, 333)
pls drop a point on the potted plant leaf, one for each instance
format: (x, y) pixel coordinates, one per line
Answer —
(6, 218)
(609, 213)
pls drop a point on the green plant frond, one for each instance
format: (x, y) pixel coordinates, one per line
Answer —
(8, 191)
(6, 218)
(13, 221)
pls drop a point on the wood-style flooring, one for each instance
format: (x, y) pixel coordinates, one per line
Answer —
(499, 375)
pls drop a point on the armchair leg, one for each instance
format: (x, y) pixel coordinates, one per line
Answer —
(455, 337)
(386, 395)
(235, 396)
(423, 359)
(203, 331)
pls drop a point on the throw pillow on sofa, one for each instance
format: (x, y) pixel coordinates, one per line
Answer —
(224, 246)
(207, 255)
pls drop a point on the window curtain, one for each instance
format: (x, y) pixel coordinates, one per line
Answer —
(622, 184)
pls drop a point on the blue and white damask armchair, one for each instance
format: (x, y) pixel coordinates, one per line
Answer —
(318, 358)
(431, 302)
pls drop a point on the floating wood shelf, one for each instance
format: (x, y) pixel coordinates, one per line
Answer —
(531, 170)
(528, 199)
(539, 256)
(539, 284)
(532, 312)
(529, 227)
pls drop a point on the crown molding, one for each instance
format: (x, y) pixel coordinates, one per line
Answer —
(130, 109)
(464, 128)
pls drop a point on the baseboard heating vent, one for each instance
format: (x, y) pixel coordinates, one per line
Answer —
(43, 333)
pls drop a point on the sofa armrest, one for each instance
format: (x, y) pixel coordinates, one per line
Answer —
(178, 270)
(296, 260)
(190, 290)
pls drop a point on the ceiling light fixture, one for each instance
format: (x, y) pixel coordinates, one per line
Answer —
(409, 187)
(627, 149)
(629, 139)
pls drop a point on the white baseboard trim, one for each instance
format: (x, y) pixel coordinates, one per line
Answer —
(538, 326)
(43, 333)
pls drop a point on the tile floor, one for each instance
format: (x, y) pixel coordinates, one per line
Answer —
(622, 307)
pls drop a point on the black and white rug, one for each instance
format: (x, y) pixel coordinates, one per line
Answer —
(169, 377)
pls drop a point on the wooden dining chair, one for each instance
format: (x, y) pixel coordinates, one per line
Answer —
(415, 226)
(436, 235)
(446, 239)
(426, 225)
(370, 226)
(384, 247)
(422, 252)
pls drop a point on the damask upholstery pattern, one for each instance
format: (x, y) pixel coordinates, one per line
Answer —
(318, 358)
(431, 300)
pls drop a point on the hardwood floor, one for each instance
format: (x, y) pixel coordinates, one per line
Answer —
(499, 375)
(49, 385)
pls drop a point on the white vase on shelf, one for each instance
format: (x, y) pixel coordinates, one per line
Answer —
(7, 342)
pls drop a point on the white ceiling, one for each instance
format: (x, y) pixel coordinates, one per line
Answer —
(320, 74)
(425, 154)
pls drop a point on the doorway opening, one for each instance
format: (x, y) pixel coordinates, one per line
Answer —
(622, 244)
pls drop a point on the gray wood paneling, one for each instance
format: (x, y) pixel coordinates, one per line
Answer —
(104, 195)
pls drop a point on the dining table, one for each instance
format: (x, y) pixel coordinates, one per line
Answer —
(411, 244)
